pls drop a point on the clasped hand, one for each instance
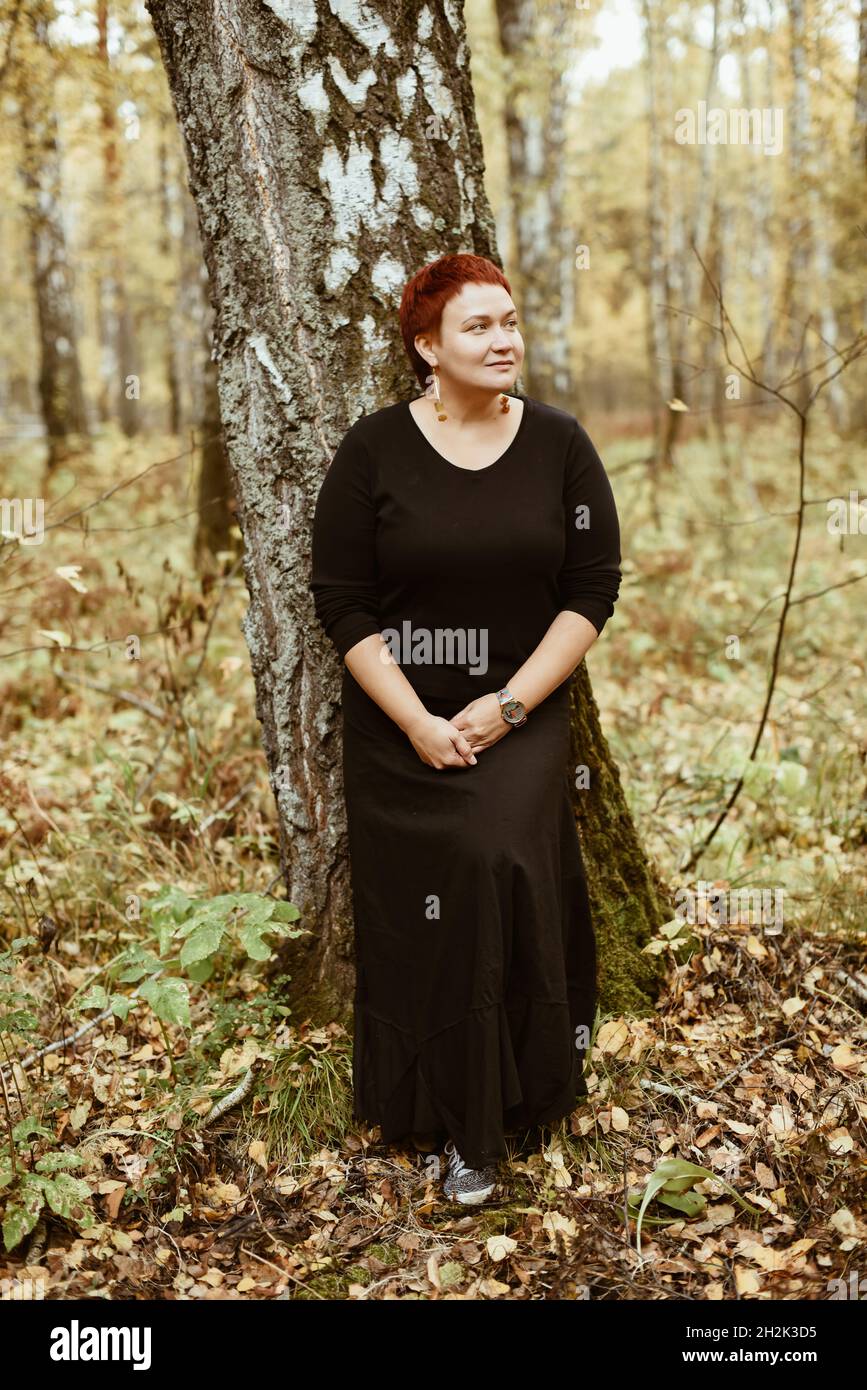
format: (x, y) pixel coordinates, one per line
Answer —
(454, 742)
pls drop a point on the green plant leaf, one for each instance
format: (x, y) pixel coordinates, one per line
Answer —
(632, 1205)
(656, 1180)
(170, 903)
(94, 998)
(689, 1203)
(64, 1193)
(219, 909)
(253, 908)
(251, 938)
(202, 970)
(19, 942)
(204, 941)
(211, 911)
(169, 998)
(286, 912)
(675, 1176)
(49, 1163)
(21, 1215)
(19, 1021)
(27, 1127)
(135, 963)
(166, 928)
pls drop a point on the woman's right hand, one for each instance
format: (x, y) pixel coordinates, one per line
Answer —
(439, 744)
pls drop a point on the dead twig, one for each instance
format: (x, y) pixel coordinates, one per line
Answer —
(146, 706)
(73, 1037)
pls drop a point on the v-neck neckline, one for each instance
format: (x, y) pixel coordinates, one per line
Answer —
(458, 468)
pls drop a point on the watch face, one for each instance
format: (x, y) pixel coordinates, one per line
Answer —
(513, 711)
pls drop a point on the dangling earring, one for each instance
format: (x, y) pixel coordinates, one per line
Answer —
(505, 403)
(438, 405)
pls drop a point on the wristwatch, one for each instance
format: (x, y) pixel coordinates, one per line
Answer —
(511, 709)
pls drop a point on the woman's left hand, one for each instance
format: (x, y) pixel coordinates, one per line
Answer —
(481, 722)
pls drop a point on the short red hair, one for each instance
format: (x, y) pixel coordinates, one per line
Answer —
(426, 294)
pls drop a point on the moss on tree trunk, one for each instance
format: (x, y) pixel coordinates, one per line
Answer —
(628, 900)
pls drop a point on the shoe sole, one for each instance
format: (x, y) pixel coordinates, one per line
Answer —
(471, 1199)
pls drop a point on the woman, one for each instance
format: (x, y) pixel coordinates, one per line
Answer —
(466, 555)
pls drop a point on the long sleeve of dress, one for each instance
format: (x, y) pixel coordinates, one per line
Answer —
(343, 569)
(589, 580)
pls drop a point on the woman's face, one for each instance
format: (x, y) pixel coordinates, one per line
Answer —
(478, 343)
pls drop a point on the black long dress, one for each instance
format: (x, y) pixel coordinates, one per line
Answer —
(474, 944)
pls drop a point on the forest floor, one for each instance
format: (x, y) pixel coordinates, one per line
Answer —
(136, 811)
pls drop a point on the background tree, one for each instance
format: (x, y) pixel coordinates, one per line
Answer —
(61, 391)
(859, 122)
(660, 352)
(536, 38)
(167, 186)
(121, 367)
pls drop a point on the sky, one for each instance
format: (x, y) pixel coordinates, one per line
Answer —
(618, 26)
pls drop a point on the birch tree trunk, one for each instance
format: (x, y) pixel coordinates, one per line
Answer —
(692, 224)
(658, 267)
(858, 413)
(859, 124)
(811, 268)
(534, 38)
(61, 392)
(122, 375)
(799, 265)
(332, 150)
(760, 207)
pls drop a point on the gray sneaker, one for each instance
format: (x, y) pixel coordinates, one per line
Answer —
(469, 1186)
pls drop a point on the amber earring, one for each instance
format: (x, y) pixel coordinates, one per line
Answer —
(437, 400)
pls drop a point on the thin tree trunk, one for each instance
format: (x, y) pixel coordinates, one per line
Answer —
(61, 392)
(330, 156)
(859, 123)
(692, 224)
(216, 499)
(799, 266)
(216, 514)
(119, 356)
(858, 412)
(715, 370)
(534, 41)
(765, 213)
(759, 202)
(195, 312)
(813, 264)
(167, 243)
(659, 291)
